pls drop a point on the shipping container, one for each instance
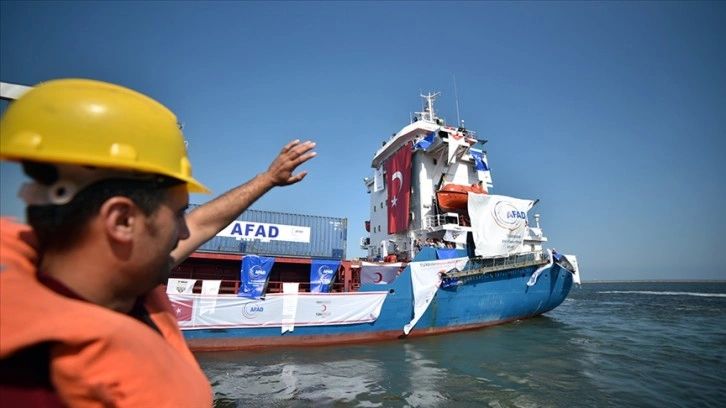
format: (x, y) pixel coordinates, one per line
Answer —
(281, 234)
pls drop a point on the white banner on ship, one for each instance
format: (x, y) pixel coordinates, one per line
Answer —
(289, 305)
(533, 279)
(310, 310)
(211, 287)
(425, 280)
(378, 180)
(266, 232)
(209, 303)
(498, 223)
(371, 272)
(458, 236)
(175, 286)
(572, 259)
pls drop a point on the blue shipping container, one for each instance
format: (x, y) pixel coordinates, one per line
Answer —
(281, 234)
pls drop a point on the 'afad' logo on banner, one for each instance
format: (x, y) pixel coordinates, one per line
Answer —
(256, 272)
(507, 216)
(326, 274)
(251, 310)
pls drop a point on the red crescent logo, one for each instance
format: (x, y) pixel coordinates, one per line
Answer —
(379, 277)
(324, 307)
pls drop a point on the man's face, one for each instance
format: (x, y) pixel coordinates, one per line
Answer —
(160, 235)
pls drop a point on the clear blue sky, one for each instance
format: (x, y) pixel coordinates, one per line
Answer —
(613, 114)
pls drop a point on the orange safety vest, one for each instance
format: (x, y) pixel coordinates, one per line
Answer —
(98, 357)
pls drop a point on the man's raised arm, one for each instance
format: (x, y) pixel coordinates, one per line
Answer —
(208, 219)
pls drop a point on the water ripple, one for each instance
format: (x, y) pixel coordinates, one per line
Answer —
(608, 345)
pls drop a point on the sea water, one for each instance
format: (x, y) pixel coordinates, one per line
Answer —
(626, 344)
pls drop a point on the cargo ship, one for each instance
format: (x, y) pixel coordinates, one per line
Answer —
(443, 254)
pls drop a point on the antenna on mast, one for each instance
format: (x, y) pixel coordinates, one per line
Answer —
(456, 95)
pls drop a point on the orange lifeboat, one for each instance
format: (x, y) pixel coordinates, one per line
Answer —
(454, 197)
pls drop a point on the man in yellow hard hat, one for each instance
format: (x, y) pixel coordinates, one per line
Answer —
(84, 320)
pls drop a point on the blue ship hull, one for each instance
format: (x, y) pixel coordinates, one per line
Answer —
(479, 300)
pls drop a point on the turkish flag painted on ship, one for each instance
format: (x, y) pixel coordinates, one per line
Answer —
(183, 309)
(398, 181)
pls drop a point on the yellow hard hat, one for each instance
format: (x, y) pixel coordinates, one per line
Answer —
(93, 123)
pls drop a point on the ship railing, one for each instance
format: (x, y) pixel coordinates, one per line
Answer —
(231, 287)
(226, 287)
(369, 179)
(479, 266)
(437, 220)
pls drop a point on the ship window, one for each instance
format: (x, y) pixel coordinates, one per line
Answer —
(381, 205)
(435, 162)
(374, 208)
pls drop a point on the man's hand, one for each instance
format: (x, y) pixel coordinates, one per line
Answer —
(292, 155)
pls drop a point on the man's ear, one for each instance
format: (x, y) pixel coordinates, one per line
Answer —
(120, 217)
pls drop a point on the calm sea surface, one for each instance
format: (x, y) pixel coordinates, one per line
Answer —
(608, 345)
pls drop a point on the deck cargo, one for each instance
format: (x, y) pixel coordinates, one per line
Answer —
(282, 234)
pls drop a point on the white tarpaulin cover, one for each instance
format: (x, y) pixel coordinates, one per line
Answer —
(426, 279)
(311, 309)
(498, 223)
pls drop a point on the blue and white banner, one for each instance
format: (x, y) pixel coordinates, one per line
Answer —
(480, 161)
(322, 272)
(481, 165)
(425, 142)
(254, 275)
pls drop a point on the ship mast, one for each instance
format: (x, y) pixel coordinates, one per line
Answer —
(428, 113)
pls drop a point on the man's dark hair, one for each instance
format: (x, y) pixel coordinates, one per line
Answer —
(60, 226)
